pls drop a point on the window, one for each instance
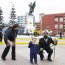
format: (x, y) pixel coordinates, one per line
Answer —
(64, 17)
(56, 19)
(56, 26)
(18, 17)
(61, 19)
(61, 25)
(64, 21)
(21, 23)
(56, 31)
(18, 21)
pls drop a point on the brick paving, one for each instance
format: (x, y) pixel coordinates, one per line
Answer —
(22, 56)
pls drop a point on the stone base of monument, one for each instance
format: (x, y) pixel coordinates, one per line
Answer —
(30, 24)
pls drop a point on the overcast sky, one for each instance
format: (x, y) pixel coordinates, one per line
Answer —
(42, 6)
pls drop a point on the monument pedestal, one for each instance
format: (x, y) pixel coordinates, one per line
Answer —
(30, 24)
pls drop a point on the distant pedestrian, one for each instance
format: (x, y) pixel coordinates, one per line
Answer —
(33, 50)
(60, 35)
(9, 38)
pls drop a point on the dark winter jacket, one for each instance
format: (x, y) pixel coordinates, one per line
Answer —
(45, 44)
(10, 34)
(34, 48)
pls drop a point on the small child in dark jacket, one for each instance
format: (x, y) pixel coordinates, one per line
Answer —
(33, 50)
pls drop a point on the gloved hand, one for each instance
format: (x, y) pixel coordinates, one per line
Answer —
(55, 42)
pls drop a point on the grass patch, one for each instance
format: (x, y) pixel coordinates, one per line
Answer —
(28, 39)
(61, 39)
(61, 43)
(21, 42)
(16, 42)
(1, 42)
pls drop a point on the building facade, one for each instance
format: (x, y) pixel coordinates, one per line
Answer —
(54, 22)
(21, 21)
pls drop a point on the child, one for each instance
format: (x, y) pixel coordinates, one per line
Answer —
(33, 50)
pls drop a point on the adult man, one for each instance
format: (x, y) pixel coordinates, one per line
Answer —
(44, 43)
(9, 38)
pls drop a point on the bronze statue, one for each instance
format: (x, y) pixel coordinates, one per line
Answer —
(32, 6)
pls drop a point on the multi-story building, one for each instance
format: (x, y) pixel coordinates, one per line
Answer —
(21, 20)
(54, 22)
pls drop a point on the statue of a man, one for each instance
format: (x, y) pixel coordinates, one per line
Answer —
(32, 6)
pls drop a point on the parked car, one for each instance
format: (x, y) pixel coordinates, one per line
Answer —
(58, 35)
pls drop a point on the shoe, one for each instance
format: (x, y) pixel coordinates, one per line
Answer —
(41, 59)
(36, 64)
(13, 59)
(49, 60)
(31, 63)
(3, 58)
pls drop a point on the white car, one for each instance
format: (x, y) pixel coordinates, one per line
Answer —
(58, 35)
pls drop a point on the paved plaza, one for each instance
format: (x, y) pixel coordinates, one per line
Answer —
(22, 56)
